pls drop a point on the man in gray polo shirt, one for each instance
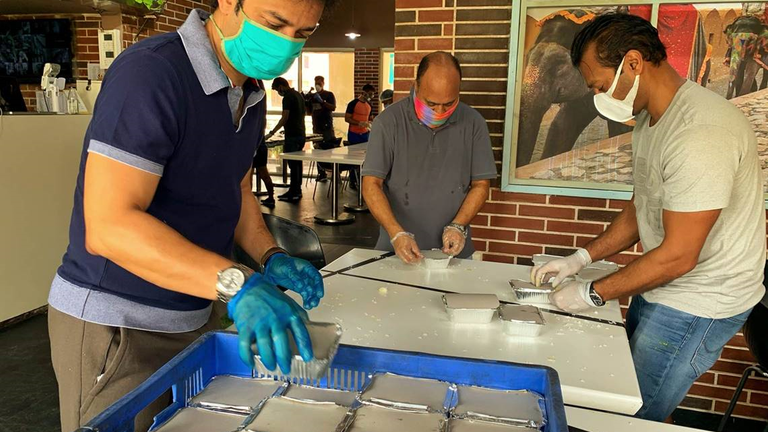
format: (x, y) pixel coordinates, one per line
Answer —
(428, 166)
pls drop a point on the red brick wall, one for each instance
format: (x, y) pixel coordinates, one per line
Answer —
(511, 227)
(367, 68)
(86, 43)
(174, 15)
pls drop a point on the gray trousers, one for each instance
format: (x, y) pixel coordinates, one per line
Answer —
(96, 365)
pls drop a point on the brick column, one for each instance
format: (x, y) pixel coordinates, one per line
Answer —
(367, 68)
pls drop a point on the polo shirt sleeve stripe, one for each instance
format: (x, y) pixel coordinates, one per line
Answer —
(141, 110)
(123, 156)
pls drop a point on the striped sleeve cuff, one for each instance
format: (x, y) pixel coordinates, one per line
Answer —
(123, 156)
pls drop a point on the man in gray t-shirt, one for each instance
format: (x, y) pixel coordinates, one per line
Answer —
(428, 167)
(698, 210)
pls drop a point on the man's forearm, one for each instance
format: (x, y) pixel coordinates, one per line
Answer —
(621, 234)
(150, 249)
(279, 125)
(473, 202)
(251, 233)
(655, 268)
(379, 206)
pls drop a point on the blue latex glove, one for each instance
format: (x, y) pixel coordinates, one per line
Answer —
(297, 275)
(262, 312)
(318, 98)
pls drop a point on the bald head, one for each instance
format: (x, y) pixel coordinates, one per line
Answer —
(438, 80)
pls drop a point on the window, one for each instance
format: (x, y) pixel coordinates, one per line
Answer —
(387, 74)
(337, 67)
(555, 141)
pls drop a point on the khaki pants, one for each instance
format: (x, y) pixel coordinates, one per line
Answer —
(96, 365)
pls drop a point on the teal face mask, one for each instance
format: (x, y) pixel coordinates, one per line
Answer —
(258, 52)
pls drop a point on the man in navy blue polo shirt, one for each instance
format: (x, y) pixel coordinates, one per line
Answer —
(163, 195)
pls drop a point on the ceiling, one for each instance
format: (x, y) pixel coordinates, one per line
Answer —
(373, 19)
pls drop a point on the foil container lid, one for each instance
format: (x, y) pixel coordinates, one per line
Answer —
(471, 301)
(522, 314)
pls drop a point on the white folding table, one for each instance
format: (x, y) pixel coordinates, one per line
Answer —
(349, 155)
(383, 303)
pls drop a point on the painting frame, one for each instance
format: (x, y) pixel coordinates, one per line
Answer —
(519, 24)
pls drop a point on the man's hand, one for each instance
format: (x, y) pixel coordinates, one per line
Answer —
(572, 297)
(562, 268)
(453, 241)
(264, 313)
(406, 248)
(297, 275)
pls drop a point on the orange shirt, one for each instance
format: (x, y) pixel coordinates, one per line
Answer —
(361, 112)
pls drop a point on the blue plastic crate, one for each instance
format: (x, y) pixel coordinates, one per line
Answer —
(215, 353)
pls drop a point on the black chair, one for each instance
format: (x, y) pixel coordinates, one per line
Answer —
(754, 333)
(298, 240)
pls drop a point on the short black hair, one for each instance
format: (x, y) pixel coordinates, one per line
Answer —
(279, 81)
(320, 77)
(616, 34)
(436, 57)
(369, 88)
(329, 6)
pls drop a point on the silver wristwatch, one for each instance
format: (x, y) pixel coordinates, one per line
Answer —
(461, 228)
(231, 280)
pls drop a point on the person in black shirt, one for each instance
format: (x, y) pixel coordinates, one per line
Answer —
(323, 104)
(295, 133)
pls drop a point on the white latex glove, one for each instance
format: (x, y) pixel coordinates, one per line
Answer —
(453, 241)
(572, 297)
(562, 268)
(406, 248)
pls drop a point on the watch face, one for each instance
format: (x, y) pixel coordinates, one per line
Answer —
(231, 280)
(595, 298)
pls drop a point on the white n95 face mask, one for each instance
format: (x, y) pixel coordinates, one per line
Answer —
(620, 111)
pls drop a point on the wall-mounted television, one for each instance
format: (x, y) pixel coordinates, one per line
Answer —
(26, 45)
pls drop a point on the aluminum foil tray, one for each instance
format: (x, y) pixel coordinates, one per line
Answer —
(283, 414)
(325, 342)
(406, 393)
(308, 393)
(435, 259)
(527, 292)
(470, 425)
(512, 407)
(374, 418)
(471, 308)
(200, 420)
(236, 394)
(521, 320)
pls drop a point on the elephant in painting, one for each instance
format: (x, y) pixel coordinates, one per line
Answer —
(550, 78)
(747, 54)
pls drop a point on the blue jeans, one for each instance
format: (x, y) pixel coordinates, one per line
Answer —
(671, 349)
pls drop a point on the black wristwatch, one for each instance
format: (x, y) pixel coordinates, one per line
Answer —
(594, 296)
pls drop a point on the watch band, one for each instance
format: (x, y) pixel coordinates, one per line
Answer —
(594, 297)
(461, 228)
(268, 254)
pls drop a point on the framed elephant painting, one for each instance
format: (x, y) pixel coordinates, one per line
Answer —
(555, 137)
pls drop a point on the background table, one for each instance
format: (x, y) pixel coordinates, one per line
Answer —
(351, 155)
(401, 308)
(277, 141)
